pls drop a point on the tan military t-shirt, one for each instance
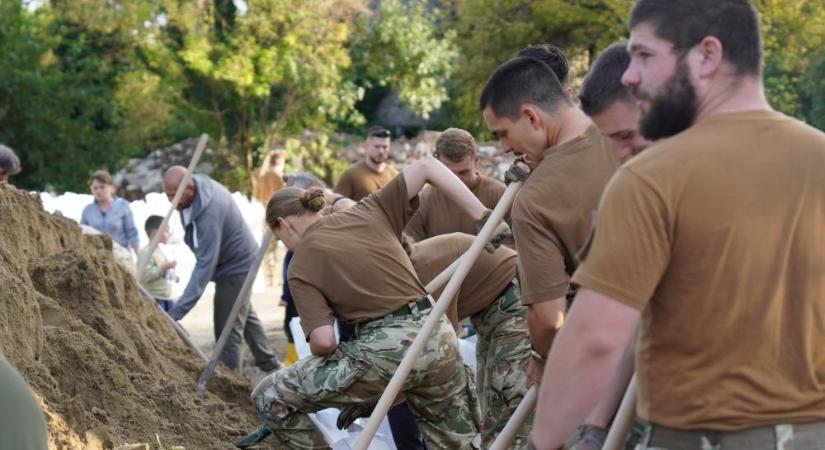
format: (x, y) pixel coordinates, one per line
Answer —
(350, 265)
(718, 236)
(440, 215)
(486, 280)
(553, 212)
(359, 181)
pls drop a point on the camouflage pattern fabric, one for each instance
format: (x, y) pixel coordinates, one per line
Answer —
(439, 388)
(502, 354)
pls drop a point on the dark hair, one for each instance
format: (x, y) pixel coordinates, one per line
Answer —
(455, 144)
(152, 224)
(8, 160)
(686, 22)
(379, 132)
(303, 180)
(292, 201)
(102, 176)
(552, 56)
(522, 80)
(603, 84)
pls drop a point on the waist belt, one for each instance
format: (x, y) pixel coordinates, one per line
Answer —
(509, 296)
(768, 437)
(420, 305)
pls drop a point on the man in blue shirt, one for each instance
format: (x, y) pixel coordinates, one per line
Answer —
(224, 248)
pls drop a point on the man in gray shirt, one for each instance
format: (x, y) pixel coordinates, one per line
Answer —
(224, 248)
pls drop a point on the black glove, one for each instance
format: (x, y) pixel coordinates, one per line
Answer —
(516, 172)
(500, 235)
(349, 414)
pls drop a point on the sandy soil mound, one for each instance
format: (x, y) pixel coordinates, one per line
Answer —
(107, 367)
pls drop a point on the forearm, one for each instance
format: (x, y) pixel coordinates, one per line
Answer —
(581, 365)
(430, 170)
(604, 411)
(574, 382)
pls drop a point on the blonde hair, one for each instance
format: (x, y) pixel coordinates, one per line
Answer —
(292, 201)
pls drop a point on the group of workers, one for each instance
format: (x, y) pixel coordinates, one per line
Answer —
(669, 225)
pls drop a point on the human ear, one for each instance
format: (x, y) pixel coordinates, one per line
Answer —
(710, 55)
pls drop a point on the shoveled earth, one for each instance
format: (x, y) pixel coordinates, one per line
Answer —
(107, 367)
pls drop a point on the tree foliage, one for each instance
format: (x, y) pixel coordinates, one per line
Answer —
(86, 84)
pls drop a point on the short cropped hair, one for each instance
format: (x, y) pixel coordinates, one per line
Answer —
(303, 180)
(152, 224)
(685, 23)
(102, 176)
(379, 132)
(9, 161)
(522, 80)
(603, 84)
(455, 144)
(553, 57)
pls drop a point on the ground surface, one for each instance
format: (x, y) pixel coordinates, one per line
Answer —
(198, 323)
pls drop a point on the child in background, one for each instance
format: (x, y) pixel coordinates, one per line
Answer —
(159, 270)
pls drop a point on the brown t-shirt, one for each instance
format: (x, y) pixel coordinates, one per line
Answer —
(350, 265)
(488, 277)
(359, 181)
(553, 212)
(718, 236)
(440, 215)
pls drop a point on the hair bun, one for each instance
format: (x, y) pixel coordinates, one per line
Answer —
(313, 200)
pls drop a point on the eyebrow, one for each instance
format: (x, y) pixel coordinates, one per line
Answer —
(632, 47)
(620, 132)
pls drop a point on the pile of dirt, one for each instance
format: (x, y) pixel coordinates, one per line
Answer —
(104, 362)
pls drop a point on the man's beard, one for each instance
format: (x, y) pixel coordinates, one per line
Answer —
(672, 110)
(379, 160)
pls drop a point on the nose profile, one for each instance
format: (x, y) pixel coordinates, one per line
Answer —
(630, 77)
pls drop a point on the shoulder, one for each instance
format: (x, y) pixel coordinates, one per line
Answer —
(491, 185)
(122, 204)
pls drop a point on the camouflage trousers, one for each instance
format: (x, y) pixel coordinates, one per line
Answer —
(502, 354)
(439, 388)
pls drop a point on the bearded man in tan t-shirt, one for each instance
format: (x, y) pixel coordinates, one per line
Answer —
(710, 241)
(373, 172)
(526, 107)
(438, 215)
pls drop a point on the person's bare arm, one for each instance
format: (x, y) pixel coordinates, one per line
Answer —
(430, 170)
(544, 319)
(322, 340)
(604, 411)
(581, 365)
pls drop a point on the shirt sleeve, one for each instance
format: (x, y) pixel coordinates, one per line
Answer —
(84, 217)
(540, 259)
(206, 255)
(631, 245)
(311, 304)
(129, 226)
(392, 199)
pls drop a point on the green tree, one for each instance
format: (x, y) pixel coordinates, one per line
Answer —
(488, 33)
(56, 107)
(793, 38)
(399, 47)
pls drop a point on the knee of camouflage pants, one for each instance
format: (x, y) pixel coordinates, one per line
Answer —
(285, 398)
